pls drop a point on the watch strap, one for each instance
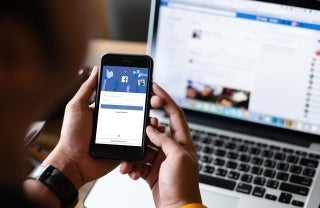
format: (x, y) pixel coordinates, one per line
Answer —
(58, 183)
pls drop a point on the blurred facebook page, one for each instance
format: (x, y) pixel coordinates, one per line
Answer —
(238, 48)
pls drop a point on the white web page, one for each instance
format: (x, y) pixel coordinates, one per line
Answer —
(239, 53)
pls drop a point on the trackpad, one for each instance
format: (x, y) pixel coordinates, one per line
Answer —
(213, 199)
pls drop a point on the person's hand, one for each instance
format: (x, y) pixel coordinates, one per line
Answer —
(172, 172)
(72, 150)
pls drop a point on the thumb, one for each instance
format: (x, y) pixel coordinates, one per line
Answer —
(162, 140)
(85, 92)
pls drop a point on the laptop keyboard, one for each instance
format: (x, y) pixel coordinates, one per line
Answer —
(265, 171)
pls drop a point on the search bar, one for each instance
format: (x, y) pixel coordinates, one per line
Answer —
(201, 9)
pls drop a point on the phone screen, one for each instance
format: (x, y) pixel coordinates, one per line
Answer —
(122, 105)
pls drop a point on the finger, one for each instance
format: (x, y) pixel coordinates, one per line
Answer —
(136, 170)
(162, 140)
(153, 172)
(162, 128)
(176, 116)
(156, 101)
(141, 170)
(126, 167)
(83, 96)
(154, 121)
(168, 145)
(135, 174)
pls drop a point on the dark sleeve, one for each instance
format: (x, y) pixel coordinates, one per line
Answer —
(15, 198)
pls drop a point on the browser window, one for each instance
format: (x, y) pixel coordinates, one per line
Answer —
(233, 50)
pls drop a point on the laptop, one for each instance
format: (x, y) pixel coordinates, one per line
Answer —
(247, 75)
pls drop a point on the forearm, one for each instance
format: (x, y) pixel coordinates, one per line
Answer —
(40, 192)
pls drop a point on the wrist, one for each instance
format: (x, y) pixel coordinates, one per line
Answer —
(56, 183)
(66, 167)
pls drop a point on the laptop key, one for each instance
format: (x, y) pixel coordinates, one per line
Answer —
(218, 143)
(206, 159)
(244, 188)
(221, 172)
(246, 178)
(297, 203)
(266, 153)
(295, 169)
(283, 176)
(256, 160)
(282, 166)
(258, 191)
(231, 165)
(208, 169)
(272, 184)
(232, 155)
(208, 150)
(287, 150)
(233, 175)
(301, 180)
(242, 148)
(279, 156)
(301, 153)
(254, 151)
(309, 163)
(230, 146)
(315, 156)
(207, 141)
(294, 189)
(274, 147)
(269, 163)
(309, 172)
(244, 167)
(220, 152)
(259, 181)
(269, 173)
(256, 170)
(219, 162)
(292, 159)
(271, 197)
(285, 198)
(219, 182)
(244, 158)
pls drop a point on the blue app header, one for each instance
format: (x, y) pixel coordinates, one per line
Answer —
(124, 79)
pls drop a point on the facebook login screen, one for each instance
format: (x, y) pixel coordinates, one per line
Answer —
(122, 105)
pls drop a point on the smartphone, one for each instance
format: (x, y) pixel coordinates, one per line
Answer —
(122, 106)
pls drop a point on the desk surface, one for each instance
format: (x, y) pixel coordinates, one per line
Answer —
(98, 47)
(49, 136)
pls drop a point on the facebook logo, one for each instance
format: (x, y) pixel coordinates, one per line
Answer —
(124, 79)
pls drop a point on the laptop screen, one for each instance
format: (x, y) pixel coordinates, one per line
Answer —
(248, 60)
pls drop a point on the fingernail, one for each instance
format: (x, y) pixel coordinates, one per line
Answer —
(95, 68)
(151, 129)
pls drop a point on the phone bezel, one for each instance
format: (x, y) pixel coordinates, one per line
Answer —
(122, 152)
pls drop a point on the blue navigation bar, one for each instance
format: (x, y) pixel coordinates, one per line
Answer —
(278, 21)
(122, 107)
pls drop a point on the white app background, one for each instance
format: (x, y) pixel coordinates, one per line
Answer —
(121, 107)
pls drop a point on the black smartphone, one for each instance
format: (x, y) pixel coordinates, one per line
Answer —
(122, 106)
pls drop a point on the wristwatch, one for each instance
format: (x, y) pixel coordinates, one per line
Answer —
(58, 183)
